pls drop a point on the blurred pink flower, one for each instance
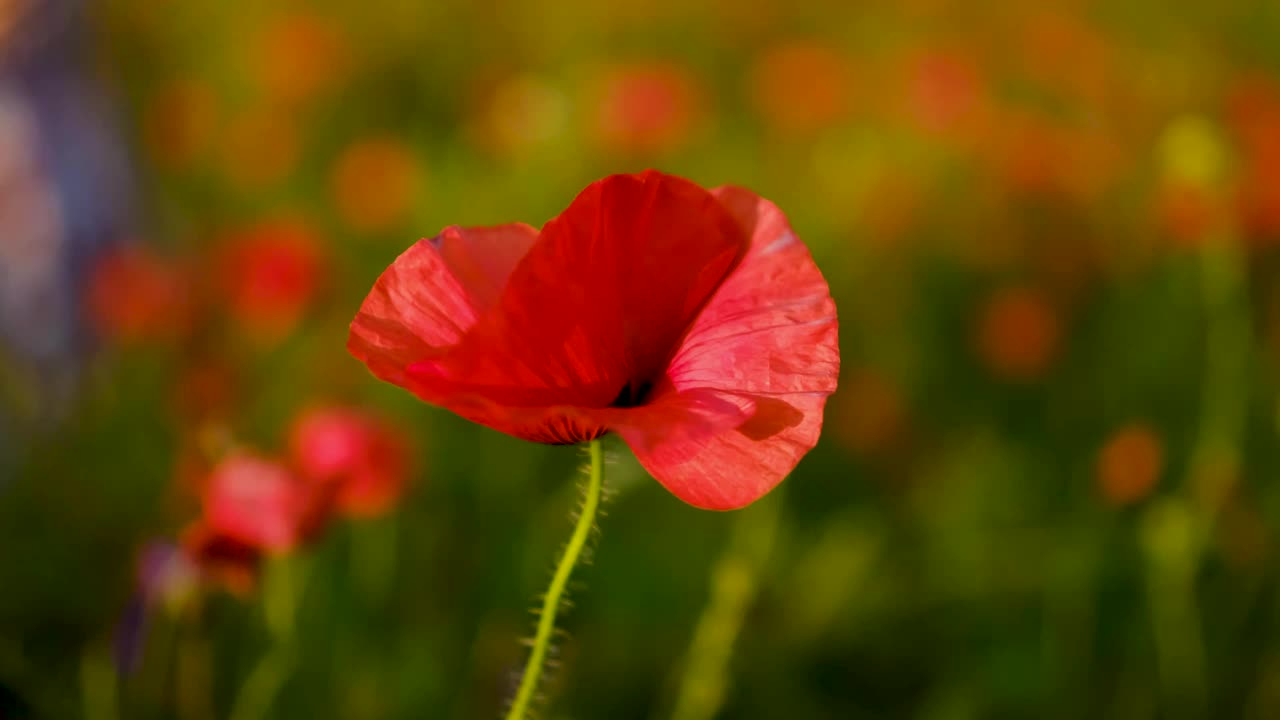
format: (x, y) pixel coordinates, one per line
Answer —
(260, 504)
(365, 459)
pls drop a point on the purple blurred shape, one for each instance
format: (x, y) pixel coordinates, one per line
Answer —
(64, 190)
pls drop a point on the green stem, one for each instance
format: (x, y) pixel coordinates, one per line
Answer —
(373, 565)
(1225, 388)
(551, 601)
(193, 672)
(281, 595)
(733, 588)
(262, 685)
(1178, 532)
(98, 685)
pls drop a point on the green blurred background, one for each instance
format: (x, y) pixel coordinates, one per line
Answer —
(1045, 486)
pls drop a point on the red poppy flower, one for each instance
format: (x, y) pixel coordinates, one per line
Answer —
(693, 323)
(363, 457)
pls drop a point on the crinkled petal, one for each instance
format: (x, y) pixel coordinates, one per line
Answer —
(766, 342)
(432, 294)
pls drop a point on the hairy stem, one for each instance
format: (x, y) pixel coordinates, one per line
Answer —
(551, 601)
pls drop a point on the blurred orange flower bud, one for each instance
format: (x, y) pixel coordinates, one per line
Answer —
(1018, 333)
(178, 123)
(945, 92)
(869, 414)
(1129, 464)
(299, 55)
(374, 184)
(802, 87)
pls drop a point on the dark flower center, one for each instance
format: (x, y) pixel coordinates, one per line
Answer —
(633, 394)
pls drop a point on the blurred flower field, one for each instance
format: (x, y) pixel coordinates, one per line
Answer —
(1045, 485)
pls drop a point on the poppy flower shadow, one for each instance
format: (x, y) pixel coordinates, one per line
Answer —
(772, 415)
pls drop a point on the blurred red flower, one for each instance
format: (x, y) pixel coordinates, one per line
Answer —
(135, 295)
(1066, 56)
(1129, 464)
(871, 413)
(269, 273)
(1253, 110)
(1188, 213)
(1034, 154)
(1017, 334)
(693, 323)
(646, 107)
(206, 388)
(802, 87)
(946, 93)
(365, 459)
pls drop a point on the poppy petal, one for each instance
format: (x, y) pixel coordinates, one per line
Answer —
(766, 343)
(595, 310)
(432, 294)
